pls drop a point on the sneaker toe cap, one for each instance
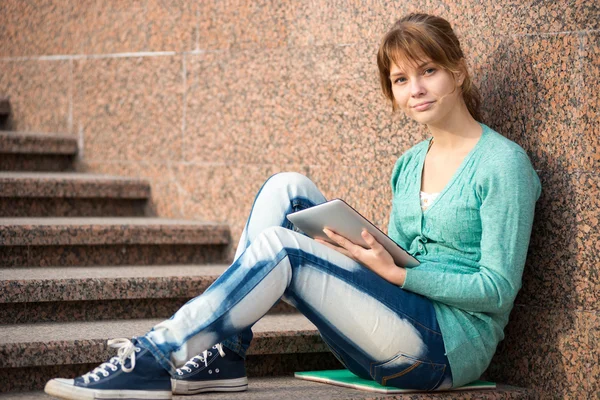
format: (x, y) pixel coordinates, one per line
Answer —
(70, 382)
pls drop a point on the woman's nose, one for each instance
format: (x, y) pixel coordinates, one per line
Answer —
(416, 88)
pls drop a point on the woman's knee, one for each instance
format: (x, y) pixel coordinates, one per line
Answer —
(286, 179)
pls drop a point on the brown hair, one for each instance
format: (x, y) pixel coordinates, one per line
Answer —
(416, 35)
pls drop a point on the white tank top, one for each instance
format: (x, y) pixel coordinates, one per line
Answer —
(427, 199)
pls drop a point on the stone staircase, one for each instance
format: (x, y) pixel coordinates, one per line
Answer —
(83, 259)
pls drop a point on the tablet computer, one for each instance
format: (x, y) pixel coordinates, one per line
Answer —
(340, 217)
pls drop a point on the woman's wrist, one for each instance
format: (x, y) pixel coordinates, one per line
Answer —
(396, 275)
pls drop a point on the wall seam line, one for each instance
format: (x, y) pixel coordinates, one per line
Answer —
(71, 86)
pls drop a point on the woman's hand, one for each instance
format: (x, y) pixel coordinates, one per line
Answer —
(376, 257)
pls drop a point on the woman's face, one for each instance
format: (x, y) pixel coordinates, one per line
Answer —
(425, 92)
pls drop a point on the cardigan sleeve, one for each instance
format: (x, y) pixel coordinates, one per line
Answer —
(509, 189)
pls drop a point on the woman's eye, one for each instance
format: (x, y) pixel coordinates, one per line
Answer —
(430, 71)
(400, 80)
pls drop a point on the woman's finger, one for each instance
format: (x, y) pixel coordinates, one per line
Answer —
(354, 251)
(329, 244)
(370, 239)
(334, 247)
(347, 244)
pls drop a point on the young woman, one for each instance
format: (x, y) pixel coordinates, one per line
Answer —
(463, 205)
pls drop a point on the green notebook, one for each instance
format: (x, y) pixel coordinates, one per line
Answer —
(345, 378)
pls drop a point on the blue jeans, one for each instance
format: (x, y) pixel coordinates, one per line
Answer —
(376, 329)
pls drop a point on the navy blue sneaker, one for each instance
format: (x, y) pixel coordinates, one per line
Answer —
(133, 374)
(212, 371)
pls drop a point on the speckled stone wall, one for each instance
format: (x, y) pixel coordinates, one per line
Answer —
(207, 99)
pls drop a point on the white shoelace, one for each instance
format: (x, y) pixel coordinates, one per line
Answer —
(202, 358)
(126, 350)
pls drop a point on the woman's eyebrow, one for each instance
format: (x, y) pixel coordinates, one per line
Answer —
(419, 67)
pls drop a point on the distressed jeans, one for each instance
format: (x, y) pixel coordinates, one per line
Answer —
(374, 328)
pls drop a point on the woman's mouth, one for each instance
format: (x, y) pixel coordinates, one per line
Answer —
(423, 106)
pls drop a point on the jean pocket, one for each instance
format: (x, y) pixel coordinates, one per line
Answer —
(407, 372)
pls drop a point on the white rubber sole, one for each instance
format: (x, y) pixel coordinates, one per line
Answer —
(69, 392)
(222, 385)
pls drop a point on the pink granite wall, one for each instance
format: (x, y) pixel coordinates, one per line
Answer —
(207, 99)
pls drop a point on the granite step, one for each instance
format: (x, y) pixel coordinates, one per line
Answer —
(60, 294)
(105, 282)
(37, 143)
(32, 353)
(27, 345)
(35, 194)
(289, 388)
(31, 242)
(31, 151)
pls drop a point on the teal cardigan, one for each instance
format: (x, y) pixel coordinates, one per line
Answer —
(471, 241)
